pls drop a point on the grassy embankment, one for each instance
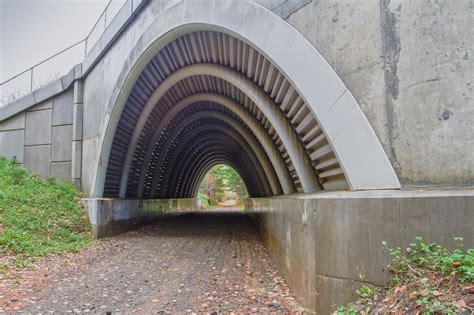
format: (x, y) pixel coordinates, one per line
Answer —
(426, 279)
(38, 217)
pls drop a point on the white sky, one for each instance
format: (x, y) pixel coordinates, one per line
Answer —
(33, 30)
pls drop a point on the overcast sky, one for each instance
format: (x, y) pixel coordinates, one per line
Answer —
(32, 30)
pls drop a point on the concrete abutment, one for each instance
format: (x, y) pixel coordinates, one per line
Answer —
(322, 242)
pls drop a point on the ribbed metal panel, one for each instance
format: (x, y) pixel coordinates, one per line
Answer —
(218, 48)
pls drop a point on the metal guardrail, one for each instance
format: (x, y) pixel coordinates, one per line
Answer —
(32, 78)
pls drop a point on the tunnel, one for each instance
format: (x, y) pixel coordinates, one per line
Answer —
(207, 98)
(173, 88)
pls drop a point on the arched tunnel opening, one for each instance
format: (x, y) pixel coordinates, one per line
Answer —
(222, 186)
(208, 97)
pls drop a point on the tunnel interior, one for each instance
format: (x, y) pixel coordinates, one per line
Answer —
(209, 98)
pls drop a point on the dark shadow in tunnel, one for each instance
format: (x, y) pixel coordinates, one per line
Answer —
(217, 223)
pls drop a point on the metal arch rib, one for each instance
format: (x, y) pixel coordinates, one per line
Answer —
(254, 148)
(179, 166)
(205, 114)
(257, 129)
(186, 147)
(254, 145)
(290, 140)
(201, 169)
(237, 139)
(190, 179)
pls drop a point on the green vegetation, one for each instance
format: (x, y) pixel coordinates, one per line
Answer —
(429, 279)
(204, 201)
(38, 216)
(222, 185)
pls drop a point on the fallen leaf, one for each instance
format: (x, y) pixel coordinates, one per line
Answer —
(414, 295)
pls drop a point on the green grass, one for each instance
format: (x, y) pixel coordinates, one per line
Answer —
(38, 217)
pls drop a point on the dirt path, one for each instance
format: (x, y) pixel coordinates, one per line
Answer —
(192, 263)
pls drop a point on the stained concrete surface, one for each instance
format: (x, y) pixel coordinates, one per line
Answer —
(112, 216)
(409, 65)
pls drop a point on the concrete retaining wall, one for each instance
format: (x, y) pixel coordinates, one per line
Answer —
(322, 242)
(110, 217)
(41, 137)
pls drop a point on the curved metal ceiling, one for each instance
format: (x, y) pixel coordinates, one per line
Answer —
(167, 154)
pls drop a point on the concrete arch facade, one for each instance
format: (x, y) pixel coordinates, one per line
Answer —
(331, 104)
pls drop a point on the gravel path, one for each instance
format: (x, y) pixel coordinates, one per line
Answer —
(203, 262)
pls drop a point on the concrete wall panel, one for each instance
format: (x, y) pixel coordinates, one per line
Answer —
(38, 127)
(44, 105)
(430, 94)
(62, 143)
(347, 34)
(90, 150)
(37, 159)
(61, 170)
(63, 108)
(12, 144)
(110, 217)
(15, 122)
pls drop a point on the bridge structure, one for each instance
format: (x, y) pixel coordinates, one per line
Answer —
(173, 88)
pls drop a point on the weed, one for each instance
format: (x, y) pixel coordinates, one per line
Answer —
(428, 279)
(433, 257)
